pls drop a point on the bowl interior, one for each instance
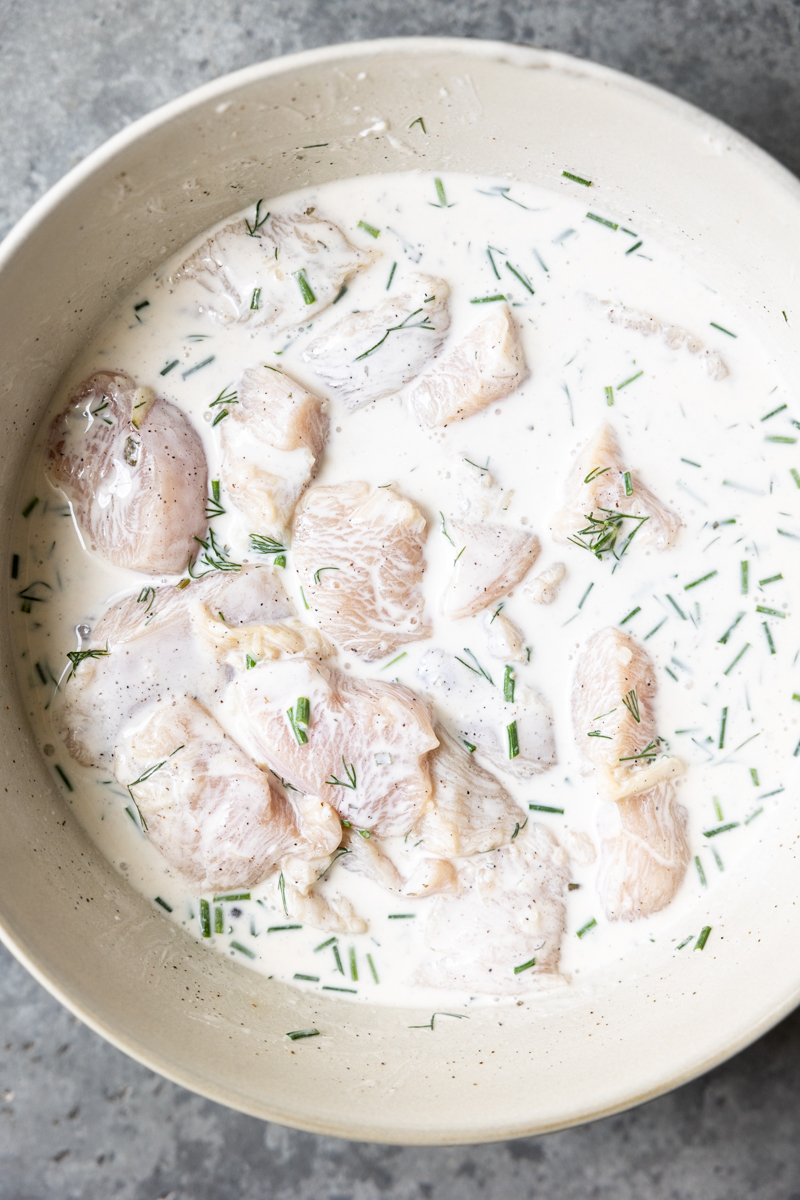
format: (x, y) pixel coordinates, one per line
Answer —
(137, 979)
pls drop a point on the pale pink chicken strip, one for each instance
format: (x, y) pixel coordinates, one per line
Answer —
(644, 852)
(596, 486)
(210, 811)
(370, 736)
(272, 443)
(359, 555)
(494, 559)
(134, 471)
(483, 368)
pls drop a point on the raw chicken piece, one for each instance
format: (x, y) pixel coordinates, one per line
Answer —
(673, 335)
(469, 811)
(371, 737)
(359, 556)
(486, 366)
(478, 711)
(495, 558)
(134, 471)
(291, 267)
(431, 876)
(644, 853)
(510, 911)
(544, 588)
(244, 645)
(272, 443)
(371, 354)
(153, 656)
(505, 640)
(210, 811)
(596, 488)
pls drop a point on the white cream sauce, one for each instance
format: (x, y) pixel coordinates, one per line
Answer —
(707, 447)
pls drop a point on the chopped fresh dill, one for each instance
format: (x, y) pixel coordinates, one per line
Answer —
(258, 221)
(350, 772)
(631, 379)
(76, 657)
(444, 530)
(262, 544)
(214, 557)
(695, 583)
(370, 229)
(709, 833)
(319, 571)
(477, 466)
(722, 329)
(522, 277)
(417, 121)
(706, 930)
(718, 809)
(198, 366)
(768, 635)
(701, 873)
(282, 889)
(297, 1034)
(595, 473)
(306, 290)
(213, 506)
(477, 669)
(585, 594)
(305, 602)
(677, 607)
(590, 924)
(423, 324)
(601, 533)
(724, 639)
(386, 666)
(631, 702)
(602, 221)
(391, 276)
(526, 966)
(545, 808)
(497, 612)
(64, 778)
(513, 740)
(576, 178)
(371, 965)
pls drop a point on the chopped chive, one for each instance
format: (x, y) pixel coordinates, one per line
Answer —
(706, 930)
(766, 795)
(677, 607)
(400, 916)
(609, 396)
(30, 506)
(282, 928)
(255, 300)
(221, 415)
(64, 777)
(40, 672)
(795, 475)
(770, 642)
(169, 367)
(513, 740)
(722, 329)
(628, 484)
(469, 746)
(324, 945)
(722, 729)
(672, 673)
(218, 924)
(794, 536)
(205, 919)
(545, 808)
(785, 441)
(297, 1034)
(723, 640)
(700, 870)
(231, 896)
(602, 221)
(690, 462)
(305, 287)
(526, 283)
(631, 249)
(242, 949)
(372, 968)
(370, 229)
(307, 978)
(702, 579)
(738, 656)
(576, 178)
(770, 612)
(391, 276)
(316, 145)
(441, 194)
(717, 808)
(337, 957)
(250, 661)
(341, 292)
(526, 966)
(631, 614)
(163, 904)
(394, 660)
(487, 299)
(754, 772)
(302, 593)
(630, 380)
(774, 412)
(14, 566)
(353, 965)
(655, 629)
(198, 367)
(585, 594)
(508, 684)
(753, 816)
(326, 987)
(771, 579)
(709, 833)
(745, 566)
(590, 924)
(685, 942)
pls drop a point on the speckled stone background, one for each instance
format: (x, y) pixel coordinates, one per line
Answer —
(79, 1119)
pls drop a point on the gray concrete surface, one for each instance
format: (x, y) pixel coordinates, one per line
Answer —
(79, 1119)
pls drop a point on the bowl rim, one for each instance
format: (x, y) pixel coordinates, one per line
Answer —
(517, 55)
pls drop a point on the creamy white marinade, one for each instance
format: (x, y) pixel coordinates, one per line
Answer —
(613, 330)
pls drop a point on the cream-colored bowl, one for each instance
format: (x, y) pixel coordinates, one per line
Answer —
(643, 1026)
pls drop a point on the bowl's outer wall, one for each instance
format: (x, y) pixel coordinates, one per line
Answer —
(186, 1011)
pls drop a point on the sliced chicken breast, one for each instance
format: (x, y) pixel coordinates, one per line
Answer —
(493, 560)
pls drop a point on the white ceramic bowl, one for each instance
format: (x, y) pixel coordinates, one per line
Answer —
(136, 978)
